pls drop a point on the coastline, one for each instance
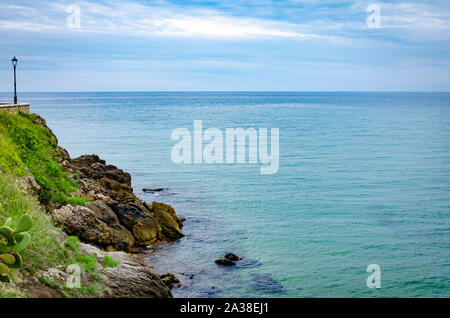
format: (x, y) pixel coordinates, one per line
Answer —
(106, 217)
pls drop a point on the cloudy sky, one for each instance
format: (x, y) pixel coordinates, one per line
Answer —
(292, 45)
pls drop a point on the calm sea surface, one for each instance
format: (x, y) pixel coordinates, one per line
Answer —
(364, 178)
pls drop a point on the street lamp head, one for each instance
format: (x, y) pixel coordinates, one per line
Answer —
(14, 61)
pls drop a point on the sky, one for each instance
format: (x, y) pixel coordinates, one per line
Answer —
(225, 45)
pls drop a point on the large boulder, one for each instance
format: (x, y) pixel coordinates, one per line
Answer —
(138, 220)
(95, 223)
(170, 223)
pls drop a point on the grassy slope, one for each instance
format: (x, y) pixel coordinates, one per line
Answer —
(30, 148)
(27, 148)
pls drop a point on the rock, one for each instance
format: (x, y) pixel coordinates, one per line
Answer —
(228, 260)
(29, 185)
(266, 284)
(233, 257)
(139, 221)
(153, 190)
(34, 288)
(94, 223)
(225, 262)
(170, 280)
(169, 221)
(96, 175)
(110, 185)
(129, 279)
(147, 231)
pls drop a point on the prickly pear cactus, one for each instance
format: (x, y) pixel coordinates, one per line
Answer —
(15, 240)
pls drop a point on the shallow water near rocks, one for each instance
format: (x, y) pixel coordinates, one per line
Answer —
(364, 179)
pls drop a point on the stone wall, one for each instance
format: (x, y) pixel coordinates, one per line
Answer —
(15, 108)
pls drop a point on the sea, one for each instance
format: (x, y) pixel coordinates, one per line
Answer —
(359, 205)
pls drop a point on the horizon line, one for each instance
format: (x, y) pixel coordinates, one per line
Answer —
(237, 91)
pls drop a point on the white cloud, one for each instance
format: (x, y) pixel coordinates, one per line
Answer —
(418, 17)
(219, 26)
(132, 18)
(409, 20)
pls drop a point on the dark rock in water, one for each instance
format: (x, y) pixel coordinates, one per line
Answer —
(152, 190)
(233, 257)
(266, 284)
(225, 262)
(229, 259)
(170, 280)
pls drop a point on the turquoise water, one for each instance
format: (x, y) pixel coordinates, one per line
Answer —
(364, 178)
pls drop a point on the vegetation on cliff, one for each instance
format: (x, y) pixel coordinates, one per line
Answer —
(28, 147)
(37, 177)
(46, 248)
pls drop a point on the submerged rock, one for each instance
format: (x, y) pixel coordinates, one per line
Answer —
(266, 284)
(208, 291)
(225, 262)
(249, 263)
(188, 275)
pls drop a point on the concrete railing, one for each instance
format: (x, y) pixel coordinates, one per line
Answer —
(15, 108)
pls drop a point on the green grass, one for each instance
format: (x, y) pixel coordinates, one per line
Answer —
(27, 146)
(72, 243)
(89, 265)
(110, 262)
(91, 285)
(9, 158)
(87, 262)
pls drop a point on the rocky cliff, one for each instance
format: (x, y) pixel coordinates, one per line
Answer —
(89, 199)
(114, 219)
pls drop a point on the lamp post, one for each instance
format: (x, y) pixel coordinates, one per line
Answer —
(14, 63)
